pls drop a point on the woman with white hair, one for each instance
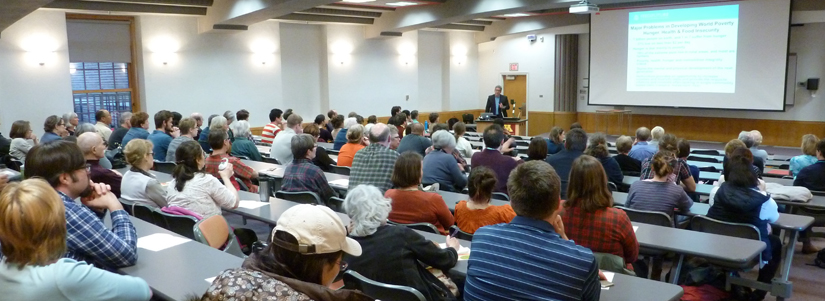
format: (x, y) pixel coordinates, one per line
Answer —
(71, 120)
(440, 165)
(221, 122)
(230, 118)
(243, 146)
(341, 137)
(391, 254)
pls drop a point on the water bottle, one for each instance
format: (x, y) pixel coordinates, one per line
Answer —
(426, 126)
(263, 188)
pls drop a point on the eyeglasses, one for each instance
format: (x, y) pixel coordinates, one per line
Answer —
(87, 167)
(151, 154)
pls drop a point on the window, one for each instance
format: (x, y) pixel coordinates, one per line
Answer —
(101, 86)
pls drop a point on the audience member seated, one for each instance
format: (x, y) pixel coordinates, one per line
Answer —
(163, 134)
(491, 157)
(813, 178)
(324, 135)
(409, 203)
(440, 165)
(139, 128)
(589, 217)
(103, 120)
(242, 115)
(757, 141)
(341, 137)
(61, 163)
(139, 185)
(759, 162)
(203, 137)
(574, 144)
(219, 142)
(55, 128)
(272, 128)
(461, 144)
(356, 140)
(282, 144)
(807, 157)
(433, 118)
(656, 135)
(393, 254)
(628, 164)
(597, 148)
(576, 125)
(555, 143)
(641, 149)
(373, 165)
(371, 120)
(33, 238)
(730, 147)
(400, 123)
(230, 118)
(187, 131)
(336, 123)
(322, 159)
(506, 257)
(243, 145)
(116, 139)
(195, 190)
(93, 150)
(302, 174)
(396, 139)
(458, 158)
(22, 140)
(287, 269)
(330, 127)
(738, 200)
(681, 171)
(659, 194)
(477, 212)
(684, 151)
(71, 120)
(415, 141)
(537, 150)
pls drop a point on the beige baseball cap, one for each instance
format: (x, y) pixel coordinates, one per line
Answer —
(318, 231)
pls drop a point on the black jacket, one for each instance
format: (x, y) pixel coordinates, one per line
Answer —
(491, 105)
(392, 254)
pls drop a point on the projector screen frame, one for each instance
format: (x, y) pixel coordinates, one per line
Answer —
(676, 5)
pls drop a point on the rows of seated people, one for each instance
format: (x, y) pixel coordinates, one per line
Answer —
(559, 195)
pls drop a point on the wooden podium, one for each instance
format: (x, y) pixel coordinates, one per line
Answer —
(517, 127)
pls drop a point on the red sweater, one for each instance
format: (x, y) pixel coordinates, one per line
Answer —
(409, 207)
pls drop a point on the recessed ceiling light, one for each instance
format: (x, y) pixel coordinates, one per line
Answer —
(402, 3)
(358, 1)
(516, 15)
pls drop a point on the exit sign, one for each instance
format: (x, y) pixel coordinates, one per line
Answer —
(513, 66)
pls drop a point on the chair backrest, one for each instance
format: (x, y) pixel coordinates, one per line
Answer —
(336, 204)
(648, 217)
(705, 152)
(147, 213)
(380, 291)
(215, 232)
(703, 159)
(165, 167)
(612, 263)
(612, 186)
(241, 157)
(500, 196)
(818, 193)
(271, 160)
(461, 234)
(341, 170)
(127, 205)
(303, 197)
(785, 166)
(183, 225)
(706, 224)
(426, 227)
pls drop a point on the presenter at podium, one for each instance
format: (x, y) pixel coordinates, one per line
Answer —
(497, 104)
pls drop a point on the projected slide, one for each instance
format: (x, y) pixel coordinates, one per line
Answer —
(683, 50)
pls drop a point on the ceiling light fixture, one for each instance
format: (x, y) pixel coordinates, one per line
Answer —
(516, 15)
(584, 7)
(402, 3)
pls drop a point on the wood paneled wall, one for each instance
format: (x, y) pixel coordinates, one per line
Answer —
(541, 122)
(774, 132)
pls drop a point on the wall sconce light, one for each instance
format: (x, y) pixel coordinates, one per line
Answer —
(459, 54)
(39, 49)
(263, 51)
(406, 53)
(341, 52)
(164, 49)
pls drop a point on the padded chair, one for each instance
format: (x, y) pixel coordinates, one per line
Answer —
(303, 197)
(341, 170)
(271, 160)
(165, 167)
(522, 142)
(215, 232)
(127, 205)
(336, 204)
(147, 214)
(426, 227)
(381, 291)
(612, 186)
(706, 224)
(499, 196)
(703, 159)
(180, 224)
(654, 257)
(461, 234)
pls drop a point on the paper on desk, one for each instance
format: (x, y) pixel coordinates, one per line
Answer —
(635, 228)
(210, 279)
(340, 183)
(159, 241)
(271, 171)
(609, 276)
(463, 252)
(251, 204)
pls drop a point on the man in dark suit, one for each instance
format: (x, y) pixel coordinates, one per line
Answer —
(497, 104)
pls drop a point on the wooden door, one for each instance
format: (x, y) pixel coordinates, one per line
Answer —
(515, 88)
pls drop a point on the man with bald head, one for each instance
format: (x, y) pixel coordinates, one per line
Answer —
(641, 149)
(373, 164)
(93, 150)
(415, 141)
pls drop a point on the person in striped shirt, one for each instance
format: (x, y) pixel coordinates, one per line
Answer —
(271, 130)
(531, 258)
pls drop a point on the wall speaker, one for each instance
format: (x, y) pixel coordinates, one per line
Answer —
(813, 84)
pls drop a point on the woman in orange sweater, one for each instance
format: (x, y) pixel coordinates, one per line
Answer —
(356, 140)
(478, 212)
(410, 205)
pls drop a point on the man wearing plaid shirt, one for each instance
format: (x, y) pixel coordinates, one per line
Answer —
(302, 174)
(61, 163)
(373, 164)
(221, 146)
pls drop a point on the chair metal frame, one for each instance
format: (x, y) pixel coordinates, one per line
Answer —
(379, 290)
(426, 227)
(299, 197)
